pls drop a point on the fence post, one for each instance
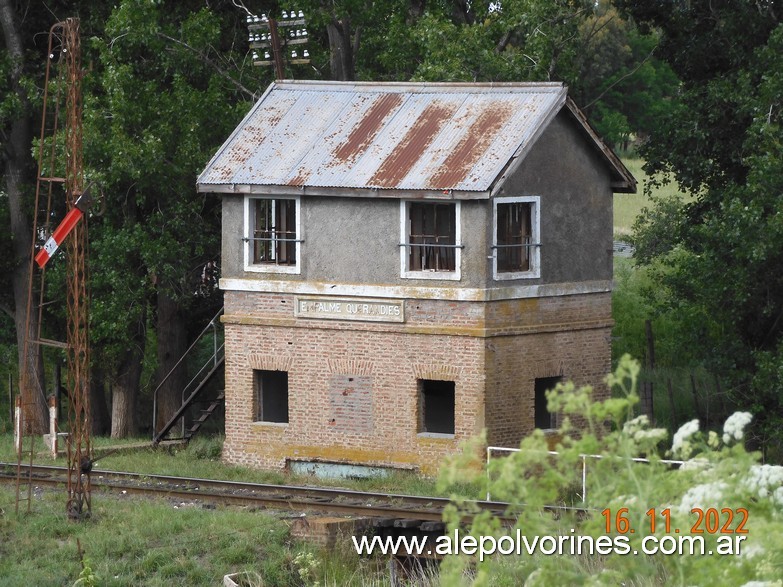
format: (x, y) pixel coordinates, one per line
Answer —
(489, 448)
(584, 479)
(18, 426)
(52, 436)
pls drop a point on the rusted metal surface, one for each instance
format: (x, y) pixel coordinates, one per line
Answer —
(437, 137)
(65, 46)
(419, 138)
(368, 128)
(79, 442)
(473, 146)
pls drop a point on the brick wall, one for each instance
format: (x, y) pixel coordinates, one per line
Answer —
(353, 386)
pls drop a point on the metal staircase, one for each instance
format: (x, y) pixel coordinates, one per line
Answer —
(195, 391)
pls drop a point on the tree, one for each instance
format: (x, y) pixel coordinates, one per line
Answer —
(170, 88)
(722, 142)
(22, 58)
(167, 81)
(516, 40)
(608, 64)
(620, 83)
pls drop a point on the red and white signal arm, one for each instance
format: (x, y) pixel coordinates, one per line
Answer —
(63, 230)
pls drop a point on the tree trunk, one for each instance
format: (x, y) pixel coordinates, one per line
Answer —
(19, 171)
(341, 49)
(172, 344)
(99, 412)
(125, 390)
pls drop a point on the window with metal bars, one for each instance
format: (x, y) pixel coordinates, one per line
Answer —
(514, 234)
(516, 238)
(432, 236)
(274, 231)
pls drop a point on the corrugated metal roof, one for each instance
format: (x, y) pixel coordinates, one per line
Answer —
(434, 137)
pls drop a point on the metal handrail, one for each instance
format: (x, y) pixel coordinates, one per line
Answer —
(212, 323)
(218, 354)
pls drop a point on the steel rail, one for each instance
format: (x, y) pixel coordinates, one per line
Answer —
(285, 497)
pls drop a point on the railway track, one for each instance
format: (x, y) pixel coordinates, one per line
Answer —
(278, 497)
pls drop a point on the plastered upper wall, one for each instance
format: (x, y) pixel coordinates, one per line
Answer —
(576, 203)
(355, 241)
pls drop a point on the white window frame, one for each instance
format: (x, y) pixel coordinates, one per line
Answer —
(535, 251)
(248, 235)
(405, 272)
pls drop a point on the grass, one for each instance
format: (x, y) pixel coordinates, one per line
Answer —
(630, 310)
(140, 542)
(201, 458)
(134, 541)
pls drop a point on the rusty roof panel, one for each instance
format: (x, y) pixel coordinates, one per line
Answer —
(368, 127)
(383, 136)
(417, 140)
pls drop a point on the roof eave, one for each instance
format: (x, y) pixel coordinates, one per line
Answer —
(370, 192)
(624, 182)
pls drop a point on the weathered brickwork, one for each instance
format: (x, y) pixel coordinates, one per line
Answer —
(354, 386)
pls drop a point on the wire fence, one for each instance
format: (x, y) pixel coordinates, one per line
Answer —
(583, 460)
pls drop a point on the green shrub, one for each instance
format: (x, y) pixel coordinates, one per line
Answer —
(623, 495)
(206, 447)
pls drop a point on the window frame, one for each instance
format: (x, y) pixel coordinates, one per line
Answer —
(405, 271)
(258, 396)
(422, 411)
(540, 402)
(535, 237)
(249, 220)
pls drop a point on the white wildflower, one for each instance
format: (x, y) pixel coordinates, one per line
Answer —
(752, 550)
(638, 423)
(702, 496)
(734, 428)
(681, 445)
(654, 435)
(766, 481)
(639, 430)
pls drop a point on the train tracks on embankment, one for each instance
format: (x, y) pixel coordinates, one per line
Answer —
(332, 501)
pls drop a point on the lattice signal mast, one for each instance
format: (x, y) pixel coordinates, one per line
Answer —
(54, 175)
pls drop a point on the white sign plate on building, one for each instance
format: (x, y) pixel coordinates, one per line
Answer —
(350, 309)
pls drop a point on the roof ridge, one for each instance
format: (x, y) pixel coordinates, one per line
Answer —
(415, 86)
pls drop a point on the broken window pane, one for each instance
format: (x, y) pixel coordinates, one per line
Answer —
(514, 236)
(432, 236)
(274, 231)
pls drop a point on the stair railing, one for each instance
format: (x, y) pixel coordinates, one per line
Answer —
(211, 363)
